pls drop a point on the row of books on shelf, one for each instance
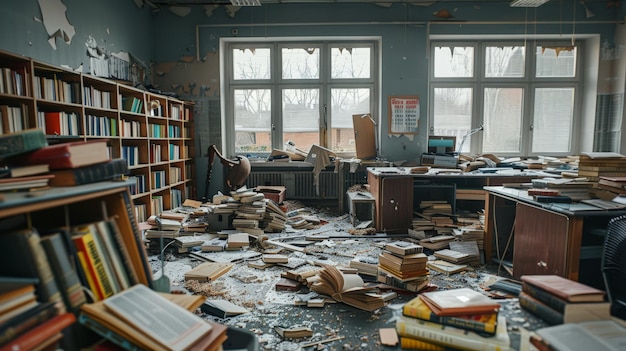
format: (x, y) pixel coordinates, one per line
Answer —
(13, 81)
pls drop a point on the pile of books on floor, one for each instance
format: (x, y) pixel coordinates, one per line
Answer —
(402, 264)
(461, 319)
(559, 300)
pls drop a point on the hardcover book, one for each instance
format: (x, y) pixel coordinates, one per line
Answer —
(27, 259)
(67, 155)
(146, 319)
(403, 248)
(453, 337)
(606, 335)
(64, 273)
(347, 288)
(571, 312)
(459, 302)
(566, 289)
(480, 323)
(16, 143)
(99, 172)
(41, 333)
(222, 308)
(208, 271)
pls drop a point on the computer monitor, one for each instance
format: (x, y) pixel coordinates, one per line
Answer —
(444, 144)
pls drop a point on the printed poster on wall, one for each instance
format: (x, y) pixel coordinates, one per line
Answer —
(404, 114)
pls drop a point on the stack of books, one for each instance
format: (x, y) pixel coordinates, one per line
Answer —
(402, 264)
(462, 319)
(593, 165)
(558, 300)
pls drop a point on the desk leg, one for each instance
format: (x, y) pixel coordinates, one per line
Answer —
(489, 227)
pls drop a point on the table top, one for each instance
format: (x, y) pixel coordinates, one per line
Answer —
(570, 209)
(457, 173)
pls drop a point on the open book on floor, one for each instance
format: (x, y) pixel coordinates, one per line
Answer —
(347, 288)
(148, 320)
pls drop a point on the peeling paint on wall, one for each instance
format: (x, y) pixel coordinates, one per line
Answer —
(188, 77)
(55, 21)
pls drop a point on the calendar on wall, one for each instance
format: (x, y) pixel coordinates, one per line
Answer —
(403, 114)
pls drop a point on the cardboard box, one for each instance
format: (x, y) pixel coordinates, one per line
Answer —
(275, 193)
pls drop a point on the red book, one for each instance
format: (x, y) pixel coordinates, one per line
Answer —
(53, 123)
(41, 333)
(68, 155)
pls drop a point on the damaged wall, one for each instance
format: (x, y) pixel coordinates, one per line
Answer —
(57, 31)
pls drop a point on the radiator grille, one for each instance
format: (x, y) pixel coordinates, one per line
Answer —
(299, 185)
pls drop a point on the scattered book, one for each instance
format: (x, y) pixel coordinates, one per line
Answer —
(403, 248)
(459, 302)
(275, 258)
(208, 271)
(347, 288)
(222, 308)
(446, 267)
(293, 332)
(286, 284)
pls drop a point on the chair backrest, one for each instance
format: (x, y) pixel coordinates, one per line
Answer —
(613, 264)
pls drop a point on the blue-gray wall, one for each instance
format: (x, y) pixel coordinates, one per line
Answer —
(172, 42)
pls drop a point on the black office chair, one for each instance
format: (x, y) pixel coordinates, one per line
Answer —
(614, 265)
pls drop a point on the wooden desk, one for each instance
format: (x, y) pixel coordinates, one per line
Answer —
(396, 191)
(545, 238)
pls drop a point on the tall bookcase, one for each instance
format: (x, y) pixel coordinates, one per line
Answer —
(153, 132)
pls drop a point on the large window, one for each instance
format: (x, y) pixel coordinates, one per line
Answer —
(304, 92)
(523, 94)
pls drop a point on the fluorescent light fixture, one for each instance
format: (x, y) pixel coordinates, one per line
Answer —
(527, 3)
(246, 2)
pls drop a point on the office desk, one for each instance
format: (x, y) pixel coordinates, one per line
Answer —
(545, 238)
(397, 192)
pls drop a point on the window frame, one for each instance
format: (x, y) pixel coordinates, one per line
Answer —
(529, 82)
(277, 84)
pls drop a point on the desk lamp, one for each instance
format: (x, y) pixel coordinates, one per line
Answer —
(473, 131)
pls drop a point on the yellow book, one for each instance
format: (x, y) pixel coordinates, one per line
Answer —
(97, 294)
(480, 323)
(415, 344)
(85, 243)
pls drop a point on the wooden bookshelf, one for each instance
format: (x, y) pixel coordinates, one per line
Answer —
(138, 125)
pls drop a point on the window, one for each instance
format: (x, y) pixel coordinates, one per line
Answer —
(526, 105)
(301, 92)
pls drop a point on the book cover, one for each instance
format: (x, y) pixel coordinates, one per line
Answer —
(107, 243)
(23, 171)
(570, 312)
(25, 321)
(88, 251)
(594, 335)
(222, 308)
(67, 155)
(480, 323)
(540, 309)
(347, 288)
(66, 277)
(16, 143)
(145, 318)
(453, 337)
(208, 271)
(27, 259)
(459, 302)
(40, 333)
(53, 123)
(407, 343)
(566, 289)
(90, 174)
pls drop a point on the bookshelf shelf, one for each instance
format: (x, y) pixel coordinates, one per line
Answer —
(34, 94)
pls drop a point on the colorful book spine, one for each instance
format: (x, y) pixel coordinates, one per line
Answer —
(454, 337)
(416, 344)
(64, 274)
(480, 323)
(540, 309)
(87, 248)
